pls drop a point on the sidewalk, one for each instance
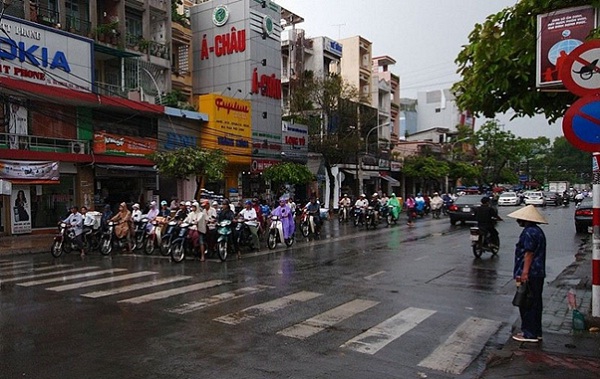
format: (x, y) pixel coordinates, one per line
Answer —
(25, 244)
(563, 353)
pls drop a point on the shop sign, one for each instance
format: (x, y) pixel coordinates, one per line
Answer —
(260, 165)
(294, 141)
(266, 85)
(20, 201)
(113, 144)
(220, 15)
(266, 144)
(384, 164)
(223, 44)
(333, 47)
(179, 141)
(41, 55)
(229, 127)
(395, 166)
(29, 170)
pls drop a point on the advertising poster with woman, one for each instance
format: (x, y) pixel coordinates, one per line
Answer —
(21, 210)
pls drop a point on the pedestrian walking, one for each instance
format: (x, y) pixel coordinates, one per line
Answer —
(530, 270)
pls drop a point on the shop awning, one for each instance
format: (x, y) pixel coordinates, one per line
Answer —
(126, 168)
(391, 180)
(60, 95)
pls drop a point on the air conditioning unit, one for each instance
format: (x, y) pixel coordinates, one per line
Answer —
(77, 147)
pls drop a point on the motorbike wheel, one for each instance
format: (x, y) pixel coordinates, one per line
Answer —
(290, 241)
(150, 245)
(389, 220)
(165, 247)
(56, 249)
(272, 239)
(106, 246)
(495, 247)
(368, 223)
(67, 247)
(305, 229)
(356, 221)
(178, 252)
(477, 250)
(139, 242)
(222, 250)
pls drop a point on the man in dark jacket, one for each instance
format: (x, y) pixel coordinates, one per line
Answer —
(486, 217)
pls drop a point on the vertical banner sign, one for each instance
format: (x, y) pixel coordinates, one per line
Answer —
(559, 33)
(17, 126)
(20, 210)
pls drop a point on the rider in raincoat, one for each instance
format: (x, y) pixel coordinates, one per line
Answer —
(287, 217)
(395, 204)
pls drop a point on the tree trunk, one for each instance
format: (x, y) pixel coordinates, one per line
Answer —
(331, 183)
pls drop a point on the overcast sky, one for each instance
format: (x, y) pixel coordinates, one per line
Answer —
(423, 36)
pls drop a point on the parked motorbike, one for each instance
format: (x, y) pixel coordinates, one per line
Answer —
(139, 234)
(483, 242)
(153, 237)
(110, 240)
(182, 245)
(169, 235)
(64, 241)
(224, 240)
(370, 221)
(343, 214)
(358, 216)
(276, 234)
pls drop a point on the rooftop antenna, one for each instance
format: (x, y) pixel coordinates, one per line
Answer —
(339, 26)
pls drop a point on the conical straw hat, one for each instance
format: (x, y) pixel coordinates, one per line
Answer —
(528, 213)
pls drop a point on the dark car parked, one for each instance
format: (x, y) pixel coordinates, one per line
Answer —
(463, 209)
(583, 215)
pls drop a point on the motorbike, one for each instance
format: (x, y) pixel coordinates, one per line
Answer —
(565, 201)
(110, 240)
(483, 242)
(153, 237)
(182, 245)
(242, 232)
(388, 213)
(436, 212)
(343, 214)
(92, 238)
(64, 241)
(224, 239)
(358, 216)
(370, 221)
(169, 235)
(276, 234)
(307, 224)
(139, 238)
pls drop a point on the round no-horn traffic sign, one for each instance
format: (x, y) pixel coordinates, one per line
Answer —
(580, 70)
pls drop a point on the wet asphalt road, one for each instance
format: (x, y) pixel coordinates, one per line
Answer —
(320, 309)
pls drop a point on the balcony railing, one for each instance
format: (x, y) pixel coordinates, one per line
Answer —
(79, 26)
(45, 144)
(159, 50)
(112, 89)
(47, 16)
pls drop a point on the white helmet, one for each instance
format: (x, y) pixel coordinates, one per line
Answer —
(136, 206)
(375, 194)
(188, 203)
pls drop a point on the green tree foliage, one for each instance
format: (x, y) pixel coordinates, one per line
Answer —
(177, 99)
(466, 171)
(190, 161)
(498, 65)
(288, 173)
(426, 168)
(566, 162)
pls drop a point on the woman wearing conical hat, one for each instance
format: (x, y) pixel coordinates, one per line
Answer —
(530, 269)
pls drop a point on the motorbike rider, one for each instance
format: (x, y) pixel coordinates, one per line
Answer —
(394, 204)
(375, 203)
(249, 214)
(344, 202)
(197, 229)
(436, 202)
(447, 201)
(88, 221)
(384, 199)
(182, 212)
(165, 211)
(292, 206)
(136, 213)
(286, 216)
(210, 213)
(410, 209)
(579, 198)
(106, 215)
(75, 220)
(420, 204)
(123, 228)
(486, 217)
(313, 208)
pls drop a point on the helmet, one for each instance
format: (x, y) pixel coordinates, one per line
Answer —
(363, 195)
(153, 203)
(215, 203)
(393, 194)
(135, 206)
(188, 203)
(182, 203)
(419, 194)
(345, 195)
(248, 202)
(195, 204)
(435, 194)
(485, 200)
(163, 202)
(375, 194)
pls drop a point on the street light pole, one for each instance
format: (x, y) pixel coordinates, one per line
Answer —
(369, 133)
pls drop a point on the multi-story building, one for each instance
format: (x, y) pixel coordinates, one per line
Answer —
(356, 66)
(438, 109)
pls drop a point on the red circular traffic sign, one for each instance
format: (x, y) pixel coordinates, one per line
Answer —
(580, 70)
(581, 124)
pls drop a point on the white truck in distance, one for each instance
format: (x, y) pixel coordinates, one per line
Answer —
(559, 187)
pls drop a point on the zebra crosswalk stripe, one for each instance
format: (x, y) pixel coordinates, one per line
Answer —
(216, 299)
(23, 270)
(327, 319)
(266, 308)
(135, 287)
(33, 276)
(377, 337)
(9, 265)
(173, 292)
(71, 277)
(462, 347)
(95, 282)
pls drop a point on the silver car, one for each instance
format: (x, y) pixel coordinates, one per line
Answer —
(509, 198)
(534, 198)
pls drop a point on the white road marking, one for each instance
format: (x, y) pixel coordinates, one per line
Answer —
(70, 277)
(421, 258)
(377, 337)
(369, 277)
(33, 276)
(23, 270)
(327, 319)
(266, 308)
(174, 292)
(94, 282)
(462, 347)
(135, 287)
(216, 299)
(17, 264)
